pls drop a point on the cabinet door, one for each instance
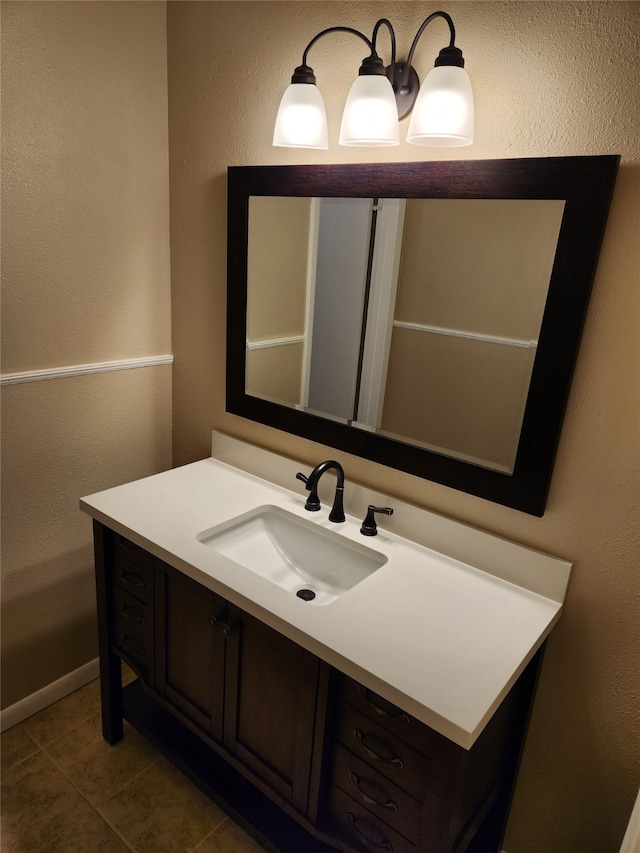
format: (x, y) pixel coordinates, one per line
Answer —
(190, 648)
(270, 712)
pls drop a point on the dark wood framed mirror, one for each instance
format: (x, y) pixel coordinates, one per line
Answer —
(425, 316)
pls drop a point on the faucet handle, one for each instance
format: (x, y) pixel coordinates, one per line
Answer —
(313, 501)
(369, 526)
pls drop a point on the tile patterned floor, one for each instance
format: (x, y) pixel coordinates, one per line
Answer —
(65, 790)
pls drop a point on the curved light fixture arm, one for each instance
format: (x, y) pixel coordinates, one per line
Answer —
(424, 26)
(392, 36)
(403, 77)
(317, 37)
(369, 118)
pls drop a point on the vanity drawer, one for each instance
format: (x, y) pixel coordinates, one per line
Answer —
(132, 552)
(135, 579)
(381, 750)
(354, 824)
(133, 629)
(376, 793)
(389, 716)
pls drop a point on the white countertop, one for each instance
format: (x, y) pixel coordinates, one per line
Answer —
(435, 635)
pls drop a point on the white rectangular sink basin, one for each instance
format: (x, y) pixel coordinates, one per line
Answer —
(315, 564)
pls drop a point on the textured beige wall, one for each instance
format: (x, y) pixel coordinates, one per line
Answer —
(278, 256)
(85, 276)
(458, 396)
(277, 267)
(470, 265)
(275, 373)
(549, 79)
(478, 265)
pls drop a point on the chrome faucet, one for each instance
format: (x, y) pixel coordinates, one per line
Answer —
(311, 483)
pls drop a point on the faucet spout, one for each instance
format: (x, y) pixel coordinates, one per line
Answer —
(311, 483)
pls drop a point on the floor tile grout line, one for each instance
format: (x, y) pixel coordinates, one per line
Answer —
(59, 835)
(137, 776)
(89, 803)
(117, 832)
(24, 758)
(209, 834)
(126, 784)
(63, 833)
(46, 745)
(41, 747)
(95, 806)
(43, 847)
(42, 743)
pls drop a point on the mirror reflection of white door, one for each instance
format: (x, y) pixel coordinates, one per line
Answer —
(341, 271)
(312, 261)
(358, 255)
(385, 269)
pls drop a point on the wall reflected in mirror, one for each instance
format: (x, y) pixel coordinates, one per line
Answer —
(417, 319)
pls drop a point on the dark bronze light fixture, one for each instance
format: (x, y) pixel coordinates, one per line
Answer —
(441, 109)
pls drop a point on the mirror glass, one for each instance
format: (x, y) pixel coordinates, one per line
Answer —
(425, 316)
(417, 319)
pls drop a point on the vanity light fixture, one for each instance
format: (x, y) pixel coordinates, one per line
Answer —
(441, 109)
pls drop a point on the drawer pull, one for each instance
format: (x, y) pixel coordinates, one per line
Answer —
(132, 614)
(383, 844)
(399, 716)
(130, 645)
(397, 762)
(369, 800)
(132, 579)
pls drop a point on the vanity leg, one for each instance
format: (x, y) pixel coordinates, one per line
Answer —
(111, 698)
(110, 666)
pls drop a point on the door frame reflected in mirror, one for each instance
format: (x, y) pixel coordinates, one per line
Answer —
(585, 184)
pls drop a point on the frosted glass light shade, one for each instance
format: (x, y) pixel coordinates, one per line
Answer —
(301, 121)
(443, 112)
(370, 116)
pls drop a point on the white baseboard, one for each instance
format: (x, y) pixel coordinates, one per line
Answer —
(30, 705)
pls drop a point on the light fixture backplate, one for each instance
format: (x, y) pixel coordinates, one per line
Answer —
(405, 94)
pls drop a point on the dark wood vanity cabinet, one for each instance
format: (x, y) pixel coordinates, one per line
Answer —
(248, 687)
(190, 648)
(307, 759)
(397, 785)
(132, 605)
(270, 699)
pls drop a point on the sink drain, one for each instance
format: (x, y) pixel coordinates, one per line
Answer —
(306, 594)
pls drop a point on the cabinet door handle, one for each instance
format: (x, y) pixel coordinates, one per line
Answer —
(132, 614)
(397, 762)
(399, 716)
(379, 845)
(132, 578)
(213, 621)
(226, 630)
(388, 805)
(130, 645)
